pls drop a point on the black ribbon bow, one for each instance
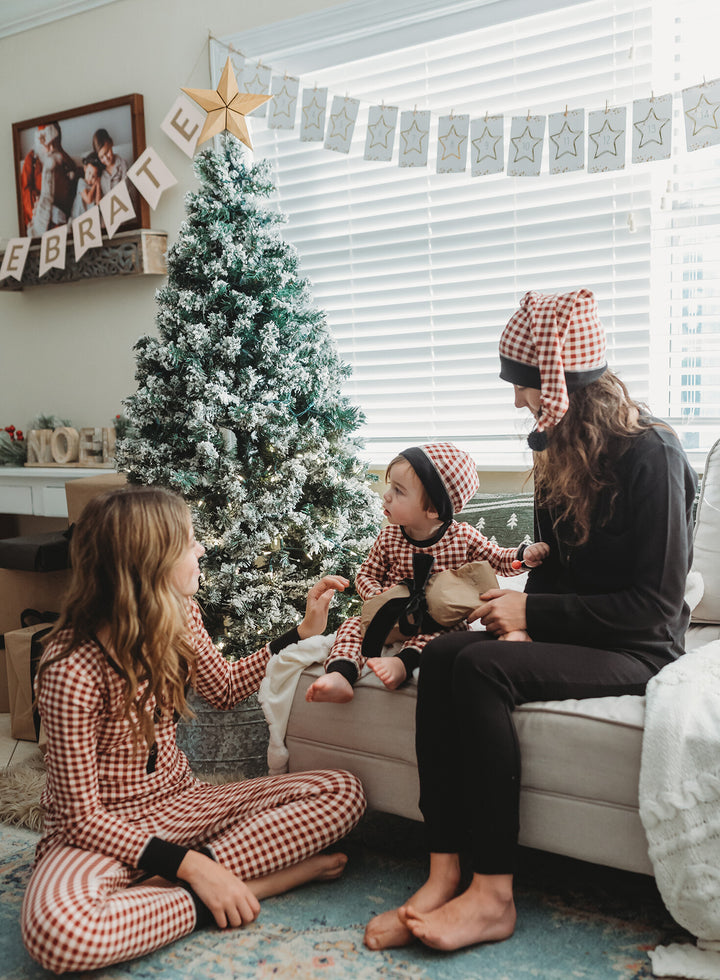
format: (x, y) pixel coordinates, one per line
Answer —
(409, 613)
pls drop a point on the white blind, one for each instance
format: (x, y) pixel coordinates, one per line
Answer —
(418, 272)
(686, 251)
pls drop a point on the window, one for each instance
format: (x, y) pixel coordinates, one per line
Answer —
(418, 272)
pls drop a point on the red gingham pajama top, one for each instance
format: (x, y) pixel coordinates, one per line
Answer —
(103, 807)
(390, 560)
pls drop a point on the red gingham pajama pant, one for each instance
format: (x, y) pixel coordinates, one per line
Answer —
(348, 641)
(81, 913)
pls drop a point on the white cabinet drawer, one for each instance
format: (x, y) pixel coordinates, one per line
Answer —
(16, 500)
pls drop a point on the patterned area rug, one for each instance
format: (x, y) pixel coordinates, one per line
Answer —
(575, 922)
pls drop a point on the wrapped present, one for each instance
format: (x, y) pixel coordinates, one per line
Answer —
(46, 552)
(23, 649)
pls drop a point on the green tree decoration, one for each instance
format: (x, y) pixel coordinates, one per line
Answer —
(239, 408)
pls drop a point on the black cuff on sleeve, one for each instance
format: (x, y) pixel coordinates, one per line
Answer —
(521, 552)
(280, 642)
(162, 857)
(345, 667)
(410, 658)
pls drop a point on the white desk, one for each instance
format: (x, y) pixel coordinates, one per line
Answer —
(39, 490)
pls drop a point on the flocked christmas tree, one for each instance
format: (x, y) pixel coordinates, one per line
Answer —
(239, 408)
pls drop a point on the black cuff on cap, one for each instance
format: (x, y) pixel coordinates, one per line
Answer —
(528, 375)
(430, 479)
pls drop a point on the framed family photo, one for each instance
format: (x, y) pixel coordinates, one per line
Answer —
(65, 162)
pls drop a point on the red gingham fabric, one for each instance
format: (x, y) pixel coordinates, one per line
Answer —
(389, 561)
(103, 807)
(555, 333)
(80, 913)
(456, 469)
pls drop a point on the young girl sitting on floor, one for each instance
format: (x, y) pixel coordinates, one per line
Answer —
(136, 851)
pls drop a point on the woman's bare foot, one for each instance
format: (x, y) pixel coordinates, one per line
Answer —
(390, 670)
(320, 867)
(484, 913)
(330, 687)
(388, 930)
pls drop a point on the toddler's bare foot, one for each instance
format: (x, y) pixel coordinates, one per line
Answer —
(390, 670)
(389, 929)
(330, 687)
(484, 913)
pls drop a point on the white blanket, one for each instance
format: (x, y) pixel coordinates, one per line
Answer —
(680, 806)
(277, 691)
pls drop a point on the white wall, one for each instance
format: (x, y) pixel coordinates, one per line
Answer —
(66, 349)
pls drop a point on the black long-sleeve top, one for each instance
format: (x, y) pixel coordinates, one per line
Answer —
(623, 589)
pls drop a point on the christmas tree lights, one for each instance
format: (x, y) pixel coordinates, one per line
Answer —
(239, 408)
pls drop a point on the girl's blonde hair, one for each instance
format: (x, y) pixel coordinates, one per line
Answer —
(123, 552)
(582, 451)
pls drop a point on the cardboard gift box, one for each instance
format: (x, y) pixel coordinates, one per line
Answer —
(4, 696)
(23, 656)
(21, 590)
(78, 492)
(36, 552)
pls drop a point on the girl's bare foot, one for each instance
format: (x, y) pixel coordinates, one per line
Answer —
(390, 670)
(484, 913)
(389, 930)
(320, 867)
(330, 687)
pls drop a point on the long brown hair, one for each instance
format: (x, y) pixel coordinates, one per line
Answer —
(582, 450)
(123, 551)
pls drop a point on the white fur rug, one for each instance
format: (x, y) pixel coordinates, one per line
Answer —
(20, 789)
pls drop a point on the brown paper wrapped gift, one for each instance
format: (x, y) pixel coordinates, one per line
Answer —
(22, 590)
(4, 696)
(78, 492)
(24, 724)
(451, 596)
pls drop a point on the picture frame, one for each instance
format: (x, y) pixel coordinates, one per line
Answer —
(50, 154)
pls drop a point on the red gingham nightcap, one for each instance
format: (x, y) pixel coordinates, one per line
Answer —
(555, 344)
(448, 474)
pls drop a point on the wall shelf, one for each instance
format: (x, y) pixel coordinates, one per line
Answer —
(129, 253)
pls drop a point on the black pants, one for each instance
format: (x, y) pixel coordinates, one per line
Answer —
(467, 747)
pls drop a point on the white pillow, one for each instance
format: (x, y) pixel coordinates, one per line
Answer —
(706, 558)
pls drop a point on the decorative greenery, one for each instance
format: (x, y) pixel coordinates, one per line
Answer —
(13, 449)
(239, 408)
(49, 422)
(122, 426)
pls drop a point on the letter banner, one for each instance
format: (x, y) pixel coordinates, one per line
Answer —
(116, 207)
(87, 232)
(14, 258)
(151, 176)
(183, 124)
(52, 249)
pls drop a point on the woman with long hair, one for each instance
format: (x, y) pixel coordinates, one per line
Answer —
(135, 850)
(603, 613)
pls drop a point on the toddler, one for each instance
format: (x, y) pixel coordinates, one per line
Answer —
(427, 485)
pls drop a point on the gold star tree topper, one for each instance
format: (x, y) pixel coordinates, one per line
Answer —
(226, 107)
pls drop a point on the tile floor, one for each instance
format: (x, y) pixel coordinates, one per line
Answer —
(13, 752)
